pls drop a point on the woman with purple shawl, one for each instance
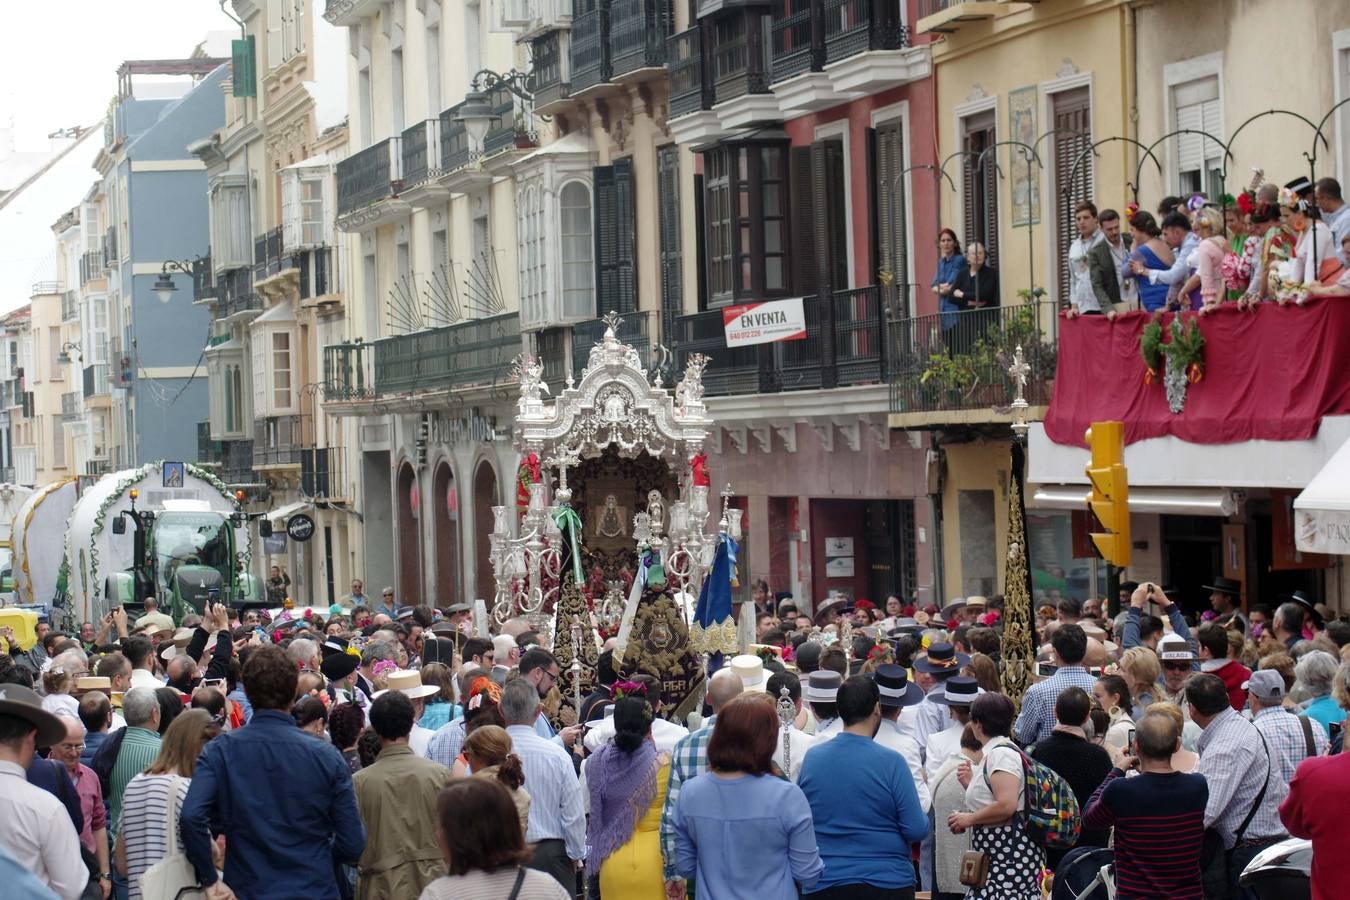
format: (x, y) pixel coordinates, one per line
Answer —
(627, 779)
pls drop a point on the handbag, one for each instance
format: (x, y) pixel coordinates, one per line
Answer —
(1213, 851)
(172, 877)
(974, 868)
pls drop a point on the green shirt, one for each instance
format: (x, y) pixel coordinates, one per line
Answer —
(139, 749)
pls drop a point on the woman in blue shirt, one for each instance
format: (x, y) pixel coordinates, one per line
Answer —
(949, 266)
(740, 831)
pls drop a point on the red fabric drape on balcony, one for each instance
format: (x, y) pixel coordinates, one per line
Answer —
(1269, 375)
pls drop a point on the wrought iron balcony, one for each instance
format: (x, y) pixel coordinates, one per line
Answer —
(591, 61)
(91, 266)
(512, 122)
(110, 256)
(203, 280)
(637, 33)
(856, 26)
(321, 472)
(690, 86)
(368, 177)
(796, 39)
(455, 150)
(421, 152)
(235, 293)
(279, 440)
(547, 81)
(70, 306)
(269, 256)
(96, 382)
(346, 372)
(731, 370)
(71, 406)
(958, 360)
(738, 57)
(232, 460)
(467, 354)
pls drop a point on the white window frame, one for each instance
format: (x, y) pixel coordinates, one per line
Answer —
(563, 262)
(231, 234)
(275, 370)
(1175, 75)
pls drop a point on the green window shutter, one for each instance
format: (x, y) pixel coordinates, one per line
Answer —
(244, 68)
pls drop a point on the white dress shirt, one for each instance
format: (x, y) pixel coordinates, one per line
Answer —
(556, 809)
(889, 735)
(664, 734)
(798, 743)
(929, 717)
(1081, 294)
(942, 746)
(419, 739)
(37, 830)
(145, 678)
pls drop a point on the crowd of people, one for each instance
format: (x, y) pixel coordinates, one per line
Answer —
(857, 752)
(1269, 243)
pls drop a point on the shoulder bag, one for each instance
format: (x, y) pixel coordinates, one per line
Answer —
(1213, 852)
(172, 877)
(520, 879)
(1309, 744)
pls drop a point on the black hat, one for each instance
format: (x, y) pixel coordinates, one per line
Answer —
(404, 612)
(455, 608)
(333, 644)
(822, 686)
(1308, 605)
(337, 666)
(438, 650)
(1301, 186)
(895, 687)
(1224, 586)
(942, 660)
(958, 691)
(1130, 586)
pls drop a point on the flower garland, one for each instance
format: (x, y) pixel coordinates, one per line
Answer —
(1185, 350)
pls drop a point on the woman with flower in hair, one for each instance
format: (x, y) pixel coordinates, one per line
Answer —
(627, 780)
(482, 708)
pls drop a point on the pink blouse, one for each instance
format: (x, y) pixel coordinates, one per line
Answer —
(1208, 259)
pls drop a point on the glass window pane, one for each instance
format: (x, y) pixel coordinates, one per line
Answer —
(771, 200)
(773, 273)
(773, 236)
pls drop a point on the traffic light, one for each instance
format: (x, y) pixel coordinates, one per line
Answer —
(1110, 499)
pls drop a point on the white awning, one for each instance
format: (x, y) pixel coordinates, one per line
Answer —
(282, 513)
(1154, 501)
(1322, 510)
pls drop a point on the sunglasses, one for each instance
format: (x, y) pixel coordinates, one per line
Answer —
(1177, 666)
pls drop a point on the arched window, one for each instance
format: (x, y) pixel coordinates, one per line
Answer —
(578, 268)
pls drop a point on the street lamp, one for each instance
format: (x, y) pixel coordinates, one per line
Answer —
(476, 113)
(64, 356)
(164, 286)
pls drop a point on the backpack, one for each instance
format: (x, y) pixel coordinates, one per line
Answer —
(1052, 818)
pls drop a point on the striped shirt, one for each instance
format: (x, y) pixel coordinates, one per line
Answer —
(1234, 762)
(1159, 822)
(139, 749)
(688, 760)
(141, 826)
(446, 743)
(1283, 731)
(555, 793)
(480, 885)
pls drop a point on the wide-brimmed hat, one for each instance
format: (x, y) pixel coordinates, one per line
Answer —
(19, 701)
(960, 690)
(456, 608)
(408, 682)
(93, 683)
(1175, 647)
(1225, 586)
(178, 645)
(333, 644)
(836, 605)
(750, 669)
(822, 686)
(337, 666)
(895, 687)
(952, 608)
(942, 660)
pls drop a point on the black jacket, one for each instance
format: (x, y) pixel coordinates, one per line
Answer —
(982, 286)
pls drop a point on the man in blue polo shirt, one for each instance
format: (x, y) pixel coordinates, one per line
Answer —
(864, 803)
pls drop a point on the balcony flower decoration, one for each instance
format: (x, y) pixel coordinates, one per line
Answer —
(1181, 359)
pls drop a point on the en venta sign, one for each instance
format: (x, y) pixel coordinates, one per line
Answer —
(764, 323)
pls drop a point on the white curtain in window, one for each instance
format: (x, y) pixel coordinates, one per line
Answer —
(578, 268)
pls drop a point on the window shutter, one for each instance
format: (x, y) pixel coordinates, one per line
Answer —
(700, 242)
(261, 371)
(291, 211)
(1073, 127)
(874, 201)
(606, 249)
(1190, 147)
(625, 300)
(834, 202)
(891, 226)
(803, 221)
(820, 191)
(274, 36)
(672, 270)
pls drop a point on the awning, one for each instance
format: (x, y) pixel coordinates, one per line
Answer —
(282, 513)
(1153, 501)
(1322, 510)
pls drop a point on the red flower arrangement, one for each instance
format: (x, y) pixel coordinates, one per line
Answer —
(624, 688)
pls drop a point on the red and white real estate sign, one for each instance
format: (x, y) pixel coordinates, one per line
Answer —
(764, 323)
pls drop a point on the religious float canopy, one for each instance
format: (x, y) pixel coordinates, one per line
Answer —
(611, 535)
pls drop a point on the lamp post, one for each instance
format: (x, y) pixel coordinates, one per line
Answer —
(64, 357)
(476, 113)
(164, 286)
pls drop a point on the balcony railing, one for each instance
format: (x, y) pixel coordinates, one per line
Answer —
(463, 355)
(856, 26)
(455, 150)
(70, 405)
(959, 360)
(203, 280)
(369, 176)
(421, 152)
(845, 345)
(45, 287)
(635, 329)
(591, 63)
(738, 60)
(91, 266)
(796, 43)
(321, 472)
(96, 382)
(235, 293)
(690, 88)
(637, 32)
(269, 257)
(232, 460)
(346, 372)
(512, 122)
(318, 272)
(110, 255)
(279, 440)
(546, 78)
(70, 306)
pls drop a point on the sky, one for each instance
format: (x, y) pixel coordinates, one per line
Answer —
(63, 70)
